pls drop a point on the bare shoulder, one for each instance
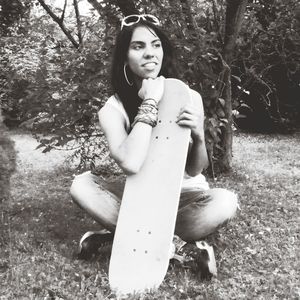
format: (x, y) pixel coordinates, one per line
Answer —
(110, 117)
(196, 96)
(197, 99)
(105, 113)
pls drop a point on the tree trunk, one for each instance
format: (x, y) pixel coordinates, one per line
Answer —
(7, 161)
(78, 21)
(60, 22)
(7, 167)
(234, 16)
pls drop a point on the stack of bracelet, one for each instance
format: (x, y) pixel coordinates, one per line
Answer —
(147, 113)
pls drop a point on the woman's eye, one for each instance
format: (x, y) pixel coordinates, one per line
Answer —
(137, 47)
(157, 45)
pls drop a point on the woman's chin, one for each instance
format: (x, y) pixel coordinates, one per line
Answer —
(148, 75)
(151, 75)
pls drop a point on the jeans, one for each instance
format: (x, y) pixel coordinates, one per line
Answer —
(200, 210)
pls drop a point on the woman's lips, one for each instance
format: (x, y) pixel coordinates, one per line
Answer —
(149, 64)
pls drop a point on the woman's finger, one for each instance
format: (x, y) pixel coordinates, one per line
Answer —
(186, 123)
(189, 109)
(186, 116)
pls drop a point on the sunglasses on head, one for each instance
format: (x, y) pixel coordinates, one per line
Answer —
(133, 19)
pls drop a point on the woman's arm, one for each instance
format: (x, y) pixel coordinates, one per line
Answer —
(130, 150)
(192, 116)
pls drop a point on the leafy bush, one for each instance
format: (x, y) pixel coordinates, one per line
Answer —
(19, 60)
(267, 66)
(63, 88)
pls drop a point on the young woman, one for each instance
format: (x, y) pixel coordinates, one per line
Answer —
(143, 58)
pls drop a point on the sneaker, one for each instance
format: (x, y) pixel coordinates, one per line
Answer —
(175, 251)
(200, 259)
(92, 241)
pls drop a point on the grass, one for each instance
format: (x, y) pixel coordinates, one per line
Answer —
(257, 252)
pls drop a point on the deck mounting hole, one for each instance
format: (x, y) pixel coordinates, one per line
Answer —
(159, 121)
(146, 251)
(134, 250)
(149, 232)
(167, 137)
(156, 137)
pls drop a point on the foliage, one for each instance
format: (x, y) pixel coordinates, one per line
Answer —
(67, 84)
(14, 21)
(19, 60)
(58, 89)
(13, 13)
(267, 66)
(62, 89)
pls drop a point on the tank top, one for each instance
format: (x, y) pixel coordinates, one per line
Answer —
(118, 105)
(189, 182)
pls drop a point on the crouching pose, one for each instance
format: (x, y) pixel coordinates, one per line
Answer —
(143, 58)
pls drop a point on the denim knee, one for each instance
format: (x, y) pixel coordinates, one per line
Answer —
(198, 220)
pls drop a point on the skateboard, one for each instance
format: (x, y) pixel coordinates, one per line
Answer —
(146, 222)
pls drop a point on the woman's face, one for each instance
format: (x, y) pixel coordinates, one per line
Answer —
(145, 53)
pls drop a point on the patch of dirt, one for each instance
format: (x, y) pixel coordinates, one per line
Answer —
(28, 157)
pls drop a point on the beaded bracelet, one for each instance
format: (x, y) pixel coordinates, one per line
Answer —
(147, 113)
(145, 117)
(149, 101)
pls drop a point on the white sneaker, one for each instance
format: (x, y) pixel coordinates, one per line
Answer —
(92, 241)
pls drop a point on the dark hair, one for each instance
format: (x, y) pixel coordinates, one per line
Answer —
(129, 94)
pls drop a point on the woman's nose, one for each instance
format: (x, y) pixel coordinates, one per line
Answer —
(149, 52)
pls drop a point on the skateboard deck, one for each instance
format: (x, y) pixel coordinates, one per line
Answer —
(146, 222)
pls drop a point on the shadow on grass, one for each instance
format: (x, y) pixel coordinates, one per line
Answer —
(41, 208)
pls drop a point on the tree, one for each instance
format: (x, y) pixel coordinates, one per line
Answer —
(235, 10)
(67, 82)
(60, 21)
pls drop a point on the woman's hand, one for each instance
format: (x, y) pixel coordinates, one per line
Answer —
(192, 117)
(152, 88)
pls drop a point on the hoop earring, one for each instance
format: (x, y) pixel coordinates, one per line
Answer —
(125, 75)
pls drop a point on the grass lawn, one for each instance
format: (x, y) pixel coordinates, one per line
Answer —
(257, 253)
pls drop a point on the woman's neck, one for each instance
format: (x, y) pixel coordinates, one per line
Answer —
(138, 82)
